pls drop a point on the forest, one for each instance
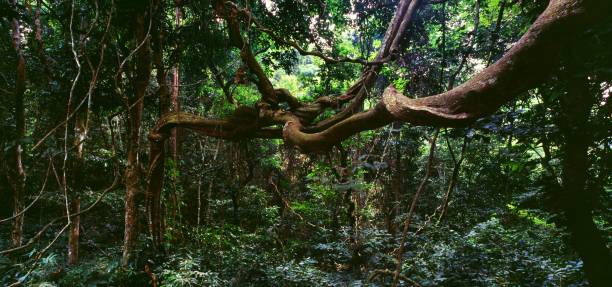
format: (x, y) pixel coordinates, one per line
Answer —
(305, 143)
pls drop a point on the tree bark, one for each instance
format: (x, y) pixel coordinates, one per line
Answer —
(454, 178)
(75, 225)
(574, 197)
(528, 63)
(132, 170)
(176, 82)
(155, 176)
(19, 169)
(80, 133)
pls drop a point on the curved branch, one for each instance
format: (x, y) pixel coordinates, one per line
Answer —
(324, 140)
(527, 64)
(392, 41)
(243, 124)
(356, 94)
(264, 85)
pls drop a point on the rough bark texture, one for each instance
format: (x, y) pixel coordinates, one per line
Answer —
(524, 66)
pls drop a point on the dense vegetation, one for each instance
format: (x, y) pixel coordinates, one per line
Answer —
(269, 143)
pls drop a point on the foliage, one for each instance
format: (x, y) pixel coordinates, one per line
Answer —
(259, 213)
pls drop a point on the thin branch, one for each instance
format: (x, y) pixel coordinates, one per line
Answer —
(304, 52)
(42, 189)
(86, 99)
(422, 186)
(35, 238)
(39, 255)
(74, 82)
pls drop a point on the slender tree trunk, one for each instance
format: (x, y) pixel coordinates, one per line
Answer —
(74, 236)
(80, 134)
(397, 182)
(173, 140)
(176, 82)
(158, 150)
(208, 213)
(200, 178)
(132, 170)
(350, 198)
(451, 84)
(158, 57)
(19, 170)
(443, 47)
(421, 188)
(496, 32)
(574, 197)
(454, 178)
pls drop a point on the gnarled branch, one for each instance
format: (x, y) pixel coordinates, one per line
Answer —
(525, 65)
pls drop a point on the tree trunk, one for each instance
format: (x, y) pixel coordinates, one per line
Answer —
(422, 186)
(132, 170)
(454, 178)
(176, 81)
(157, 155)
(80, 133)
(19, 172)
(75, 225)
(495, 33)
(574, 197)
(397, 184)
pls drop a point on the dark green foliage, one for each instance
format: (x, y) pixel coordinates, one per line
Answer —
(259, 213)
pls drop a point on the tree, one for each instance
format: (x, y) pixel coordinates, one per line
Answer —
(345, 125)
(18, 184)
(135, 108)
(538, 51)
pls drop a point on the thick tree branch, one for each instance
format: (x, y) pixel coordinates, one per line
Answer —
(243, 124)
(230, 14)
(527, 64)
(357, 93)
